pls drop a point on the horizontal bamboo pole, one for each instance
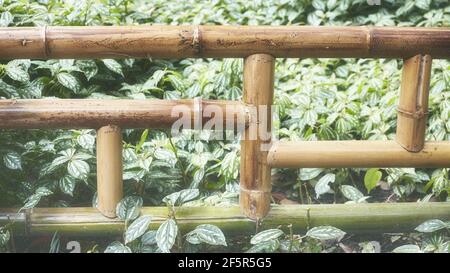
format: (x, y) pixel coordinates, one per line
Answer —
(358, 154)
(352, 218)
(222, 41)
(91, 113)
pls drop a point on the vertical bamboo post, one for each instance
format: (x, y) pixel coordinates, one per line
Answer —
(413, 106)
(255, 182)
(109, 169)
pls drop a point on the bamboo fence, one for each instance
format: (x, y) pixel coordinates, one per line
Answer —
(259, 46)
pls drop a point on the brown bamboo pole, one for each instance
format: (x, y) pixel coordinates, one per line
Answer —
(52, 42)
(109, 169)
(351, 218)
(255, 181)
(413, 106)
(91, 113)
(357, 154)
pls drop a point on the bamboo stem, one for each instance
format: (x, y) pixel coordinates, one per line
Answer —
(413, 106)
(351, 218)
(356, 154)
(91, 113)
(255, 176)
(109, 169)
(52, 42)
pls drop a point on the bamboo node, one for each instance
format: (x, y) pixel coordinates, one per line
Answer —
(412, 115)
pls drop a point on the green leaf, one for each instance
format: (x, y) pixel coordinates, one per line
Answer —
(149, 238)
(43, 191)
(137, 228)
(86, 140)
(322, 185)
(176, 82)
(266, 235)
(12, 161)
(88, 67)
(310, 117)
(113, 65)
(407, 249)
(4, 237)
(166, 155)
(66, 155)
(69, 81)
(423, 4)
(142, 140)
(6, 18)
(181, 197)
(17, 72)
(78, 169)
(325, 233)
(233, 93)
(319, 4)
(371, 179)
(67, 185)
(129, 208)
(208, 234)
(34, 199)
(198, 177)
(431, 226)
(351, 193)
(117, 247)
(166, 235)
(265, 247)
(194, 90)
(309, 173)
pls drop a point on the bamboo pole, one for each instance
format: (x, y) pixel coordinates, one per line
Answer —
(255, 181)
(356, 154)
(109, 169)
(413, 106)
(351, 218)
(91, 113)
(52, 42)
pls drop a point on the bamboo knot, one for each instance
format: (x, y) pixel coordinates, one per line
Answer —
(412, 115)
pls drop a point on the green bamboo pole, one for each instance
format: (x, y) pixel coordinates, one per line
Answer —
(352, 218)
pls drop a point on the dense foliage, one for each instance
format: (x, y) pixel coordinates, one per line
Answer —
(317, 98)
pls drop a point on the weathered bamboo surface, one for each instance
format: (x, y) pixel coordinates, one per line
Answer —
(356, 154)
(352, 218)
(90, 113)
(413, 105)
(109, 169)
(255, 176)
(222, 41)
